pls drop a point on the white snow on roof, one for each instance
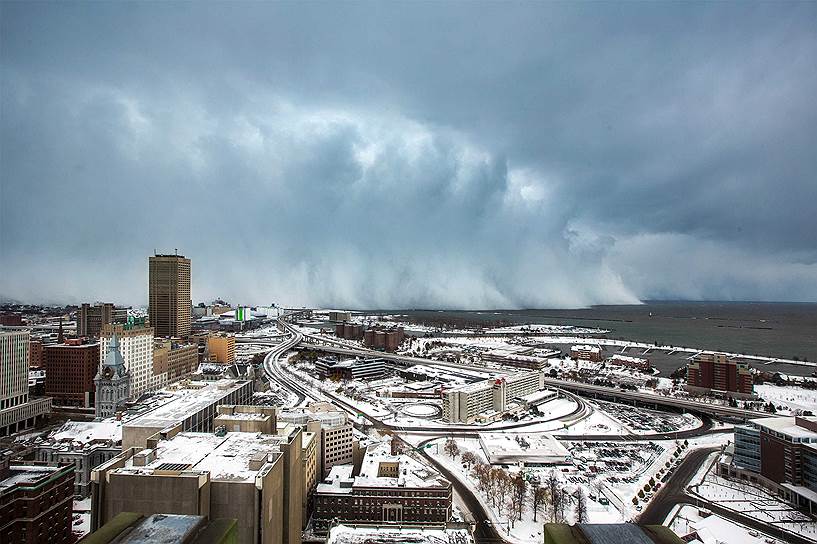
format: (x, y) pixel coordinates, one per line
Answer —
(225, 457)
(86, 432)
(343, 534)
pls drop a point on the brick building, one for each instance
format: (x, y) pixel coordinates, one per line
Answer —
(779, 453)
(91, 319)
(70, 368)
(391, 488)
(36, 503)
(719, 373)
(385, 339)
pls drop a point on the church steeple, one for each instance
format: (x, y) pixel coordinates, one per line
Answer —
(113, 357)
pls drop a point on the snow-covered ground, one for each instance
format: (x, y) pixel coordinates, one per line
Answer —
(713, 529)
(794, 398)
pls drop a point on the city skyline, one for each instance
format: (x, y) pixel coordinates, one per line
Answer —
(507, 156)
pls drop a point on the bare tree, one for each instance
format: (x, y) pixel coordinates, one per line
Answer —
(482, 473)
(519, 492)
(555, 497)
(581, 507)
(469, 458)
(539, 500)
(451, 448)
(499, 487)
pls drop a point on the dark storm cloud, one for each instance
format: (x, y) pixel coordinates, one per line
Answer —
(453, 155)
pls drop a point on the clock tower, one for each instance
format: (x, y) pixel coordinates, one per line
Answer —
(112, 381)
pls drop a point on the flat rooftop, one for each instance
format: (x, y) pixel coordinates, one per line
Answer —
(225, 457)
(164, 529)
(785, 425)
(179, 401)
(88, 432)
(411, 473)
(26, 475)
(344, 534)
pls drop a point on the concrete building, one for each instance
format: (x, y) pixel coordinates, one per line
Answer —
(172, 360)
(488, 399)
(530, 450)
(779, 453)
(133, 528)
(112, 382)
(169, 295)
(83, 445)
(350, 369)
(11, 320)
(720, 374)
(17, 410)
(586, 352)
(253, 478)
(391, 489)
(247, 418)
(188, 405)
(221, 348)
(335, 315)
(136, 345)
(608, 533)
(70, 368)
(90, 319)
(35, 503)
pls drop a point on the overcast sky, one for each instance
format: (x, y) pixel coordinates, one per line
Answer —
(451, 155)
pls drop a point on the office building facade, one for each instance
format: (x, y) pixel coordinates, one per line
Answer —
(70, 369)
(169, 295)
(17, 410)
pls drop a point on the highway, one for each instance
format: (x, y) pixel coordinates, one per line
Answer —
(584, 389)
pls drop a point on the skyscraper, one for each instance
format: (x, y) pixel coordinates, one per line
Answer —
(169, 294)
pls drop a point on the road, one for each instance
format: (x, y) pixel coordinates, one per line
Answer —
(661, 505)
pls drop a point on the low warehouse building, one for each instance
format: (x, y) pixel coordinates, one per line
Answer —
(527, 449)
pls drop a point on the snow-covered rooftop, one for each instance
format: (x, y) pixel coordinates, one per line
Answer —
(344, 534)
(179, 401)
(227, 457)
(787, 426)
(88, 432)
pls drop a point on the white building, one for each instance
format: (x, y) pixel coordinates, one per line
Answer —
(336, 443)
(16, 411)
(523, 449)
(136, 347)
(464, 404)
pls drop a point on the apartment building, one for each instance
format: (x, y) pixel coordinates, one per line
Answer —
(169, 295)
(721, 374)
(586, 352)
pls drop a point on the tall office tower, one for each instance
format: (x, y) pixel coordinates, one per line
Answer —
(90, 319)
(17, 411)
(169, 288)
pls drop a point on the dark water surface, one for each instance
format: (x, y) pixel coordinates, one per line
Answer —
(786, 330)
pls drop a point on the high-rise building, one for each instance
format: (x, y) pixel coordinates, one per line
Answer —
(221, 348)
(17, 412)
(136, 346)
(717, 372)
(70, 368)
(91, 319)
(169, 294)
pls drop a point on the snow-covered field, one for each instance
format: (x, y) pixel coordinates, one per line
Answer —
(793, 398)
